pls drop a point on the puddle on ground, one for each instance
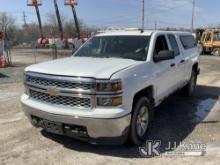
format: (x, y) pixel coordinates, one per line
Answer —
(203, 108)
(3, 76)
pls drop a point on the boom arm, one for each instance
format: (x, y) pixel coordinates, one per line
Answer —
(76, 22)
(58, 19)
(39, 20)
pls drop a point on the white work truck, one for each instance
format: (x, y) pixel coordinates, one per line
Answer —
(106, 92)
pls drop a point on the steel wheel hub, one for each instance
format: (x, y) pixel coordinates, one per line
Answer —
(142, 121)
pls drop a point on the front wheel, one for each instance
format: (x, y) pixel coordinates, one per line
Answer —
(216, 52)
(190, 87)
(141, 119)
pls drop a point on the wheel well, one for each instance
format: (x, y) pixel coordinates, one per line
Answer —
(217, 47)
(148, 92)
(195, 67)
(214, 49)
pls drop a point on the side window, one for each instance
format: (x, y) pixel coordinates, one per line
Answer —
(161, 44)
(217, 36)
(174, 44)
(208, 37)
(188, 41)
(203, 37)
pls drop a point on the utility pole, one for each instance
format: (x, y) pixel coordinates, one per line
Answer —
(193, 14)
(142, 14)
(155, 25)
(24, 19)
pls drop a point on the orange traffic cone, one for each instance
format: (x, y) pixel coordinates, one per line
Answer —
(2, 62)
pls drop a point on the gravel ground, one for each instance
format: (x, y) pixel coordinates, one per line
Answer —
(178, 119)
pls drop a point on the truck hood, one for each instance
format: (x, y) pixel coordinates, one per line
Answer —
(100, 68)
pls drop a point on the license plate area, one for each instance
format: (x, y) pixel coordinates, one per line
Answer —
(60, 128)
(53, 127)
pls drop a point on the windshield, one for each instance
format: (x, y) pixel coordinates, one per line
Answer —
(217, 36)
(128, 47)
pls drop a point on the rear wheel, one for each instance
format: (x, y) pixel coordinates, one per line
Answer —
(190, 87)
(216, 52)
(141, 119)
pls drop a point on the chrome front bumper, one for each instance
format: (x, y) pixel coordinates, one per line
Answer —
(96, 128)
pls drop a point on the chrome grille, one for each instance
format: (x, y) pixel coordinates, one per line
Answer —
(61, 100)
(59, 83)
(65, 91)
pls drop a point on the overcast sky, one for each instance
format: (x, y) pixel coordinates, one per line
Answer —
(125, 13)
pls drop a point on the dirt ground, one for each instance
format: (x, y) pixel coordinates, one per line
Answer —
(178, 119)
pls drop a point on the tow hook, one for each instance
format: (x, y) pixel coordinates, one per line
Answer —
(35, 122)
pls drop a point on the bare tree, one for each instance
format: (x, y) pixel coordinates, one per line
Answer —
(6, 21)
(52, 23)
(70, 29)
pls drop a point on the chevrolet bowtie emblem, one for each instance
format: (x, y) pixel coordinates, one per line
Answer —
(52, 91)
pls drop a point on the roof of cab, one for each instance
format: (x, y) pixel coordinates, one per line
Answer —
(137, 32)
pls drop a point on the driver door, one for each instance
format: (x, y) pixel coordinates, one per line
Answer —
(164, 70)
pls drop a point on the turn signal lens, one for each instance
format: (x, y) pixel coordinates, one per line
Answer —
(108, 102)
(116, 101)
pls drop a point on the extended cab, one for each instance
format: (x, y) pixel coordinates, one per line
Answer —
(107, 91)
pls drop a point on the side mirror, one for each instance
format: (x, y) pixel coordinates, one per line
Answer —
(164, 55)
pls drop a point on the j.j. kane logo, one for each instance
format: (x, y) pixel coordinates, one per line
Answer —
(52, 91)
(152, 148)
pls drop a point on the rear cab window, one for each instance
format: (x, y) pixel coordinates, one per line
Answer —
(188, 41)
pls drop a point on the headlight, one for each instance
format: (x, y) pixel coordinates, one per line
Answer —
(109, 101)
(109, 86)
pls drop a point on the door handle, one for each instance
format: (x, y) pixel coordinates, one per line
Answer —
(172, 65)
(182, 61)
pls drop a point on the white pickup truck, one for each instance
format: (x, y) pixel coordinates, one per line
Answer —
(106, 92)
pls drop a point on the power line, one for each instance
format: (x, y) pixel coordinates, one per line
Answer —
(166, 9)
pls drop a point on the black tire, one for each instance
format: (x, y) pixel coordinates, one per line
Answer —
(137, 137)
(216, 52)
(189, 89)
